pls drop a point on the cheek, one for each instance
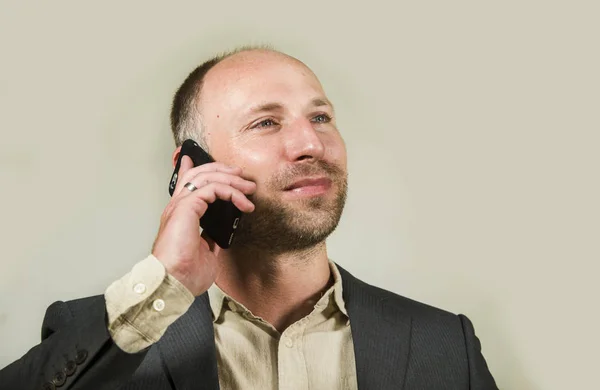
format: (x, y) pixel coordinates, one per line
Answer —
(335, 150)
(257, 161)
(256, 156)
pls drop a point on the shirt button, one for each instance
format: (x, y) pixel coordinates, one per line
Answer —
(289, 342)
(158, 305)
(231, 306)
(139, 288)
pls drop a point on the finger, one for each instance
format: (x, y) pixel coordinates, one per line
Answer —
(214, 191)
(202, 179)
(185, 165)
(187, 175)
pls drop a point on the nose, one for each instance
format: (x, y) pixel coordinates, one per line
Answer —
(303, 142)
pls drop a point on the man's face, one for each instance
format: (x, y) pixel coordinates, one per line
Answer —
(268, 114)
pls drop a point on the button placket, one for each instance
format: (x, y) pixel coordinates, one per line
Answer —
(289, 342)
(291, 357)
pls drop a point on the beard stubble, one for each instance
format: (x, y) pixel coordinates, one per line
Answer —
(277, 226)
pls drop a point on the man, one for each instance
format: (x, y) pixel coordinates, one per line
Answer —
(272, 311)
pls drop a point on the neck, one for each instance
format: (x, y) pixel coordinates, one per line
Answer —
(280, 288)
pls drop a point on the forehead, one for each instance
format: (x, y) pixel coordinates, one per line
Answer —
(253, 77)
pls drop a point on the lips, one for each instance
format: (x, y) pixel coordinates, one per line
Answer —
(309, 182)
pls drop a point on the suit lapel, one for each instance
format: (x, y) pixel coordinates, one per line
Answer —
(188, 349)
(380, 333)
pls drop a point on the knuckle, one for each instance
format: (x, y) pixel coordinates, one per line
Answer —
(168, 209)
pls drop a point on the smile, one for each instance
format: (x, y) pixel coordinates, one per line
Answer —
(309, 187)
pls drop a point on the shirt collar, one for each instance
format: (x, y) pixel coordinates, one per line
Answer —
(218, 297)
(337, 288)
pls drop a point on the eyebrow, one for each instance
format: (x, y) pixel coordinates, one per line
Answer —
(320, 102)
(265, 107)
(274, 106)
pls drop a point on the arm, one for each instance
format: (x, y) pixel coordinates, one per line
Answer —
(75, 345)
(102, 340)
(480, 377)
(107, 337)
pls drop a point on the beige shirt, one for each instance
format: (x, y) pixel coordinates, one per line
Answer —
(316, 352)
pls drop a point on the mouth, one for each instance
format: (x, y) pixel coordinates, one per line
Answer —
(309, 186)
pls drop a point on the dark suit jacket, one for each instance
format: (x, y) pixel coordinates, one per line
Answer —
(398, 344)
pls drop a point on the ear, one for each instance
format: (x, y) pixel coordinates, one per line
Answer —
(176, 155)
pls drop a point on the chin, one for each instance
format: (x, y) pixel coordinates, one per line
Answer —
(281, 225)
(289, 228)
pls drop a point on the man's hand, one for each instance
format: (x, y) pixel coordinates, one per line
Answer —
(187, 255)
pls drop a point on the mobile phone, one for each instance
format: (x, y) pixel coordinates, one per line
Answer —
(222, 217)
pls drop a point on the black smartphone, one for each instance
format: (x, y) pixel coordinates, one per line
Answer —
(222, 217)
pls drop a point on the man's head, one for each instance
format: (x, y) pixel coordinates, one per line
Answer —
(267, 112)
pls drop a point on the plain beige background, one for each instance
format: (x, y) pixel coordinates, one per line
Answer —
(472, 131)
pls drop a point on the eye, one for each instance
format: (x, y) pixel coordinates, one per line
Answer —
(322, 118)
(264, 123)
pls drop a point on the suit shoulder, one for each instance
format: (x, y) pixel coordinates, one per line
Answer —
(405, 303)
(396, 302)
(85, 303)
(75, 306)
(60, 313)
(429, 322)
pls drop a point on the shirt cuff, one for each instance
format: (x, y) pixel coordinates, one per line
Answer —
(143, 303)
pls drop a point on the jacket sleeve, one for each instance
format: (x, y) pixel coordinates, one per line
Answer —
(480, 377)
(76, 352)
